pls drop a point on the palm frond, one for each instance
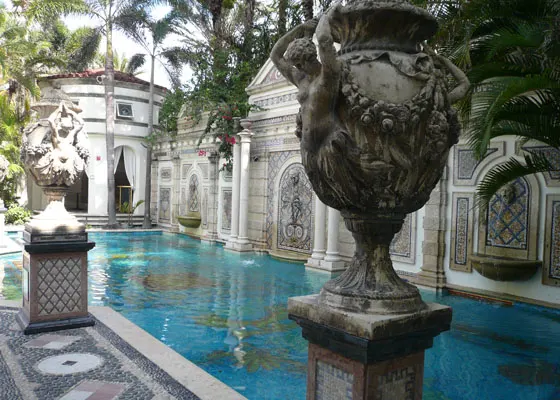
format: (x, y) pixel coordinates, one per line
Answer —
(508, 172)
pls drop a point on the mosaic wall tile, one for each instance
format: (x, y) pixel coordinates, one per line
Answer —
(551, 266)
(332, 383)
(508, 218)
(183, 203)
(275, 163)
(60, 288)
(193, 201)
(403, 246)
(204, 211)
(552, 178)
(295, 205)
(226, 210)
(461, 231)
(204, 168)
(185, 168)
(397, 384)
(164, 204)
(165, 174)
(465, 163)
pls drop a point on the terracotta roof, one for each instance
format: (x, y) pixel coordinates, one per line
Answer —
(93, 73)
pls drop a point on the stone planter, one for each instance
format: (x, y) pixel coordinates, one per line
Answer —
(191, 220)
(503, 268)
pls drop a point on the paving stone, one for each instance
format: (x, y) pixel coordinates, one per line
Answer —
(93, 362)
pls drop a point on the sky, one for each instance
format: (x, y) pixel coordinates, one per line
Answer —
(127, 47)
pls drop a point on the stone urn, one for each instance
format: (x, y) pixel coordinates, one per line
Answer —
(55, 153)
(376, 126)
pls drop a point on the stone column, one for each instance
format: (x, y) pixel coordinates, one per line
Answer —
(333, 261)
(176, 182)
(236, 182)
(318, 235)
(242, 243)
(213, 175)
(432, 272)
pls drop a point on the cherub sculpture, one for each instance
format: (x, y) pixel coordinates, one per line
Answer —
(55, 149)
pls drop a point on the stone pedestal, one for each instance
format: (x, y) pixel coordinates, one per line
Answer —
(54, 274)
(366, 356)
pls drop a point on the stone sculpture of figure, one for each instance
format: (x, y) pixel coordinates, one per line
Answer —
(55, 149)
(4, 164)
(324, 140)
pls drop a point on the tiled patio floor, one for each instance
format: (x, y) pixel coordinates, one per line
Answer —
(88, 363)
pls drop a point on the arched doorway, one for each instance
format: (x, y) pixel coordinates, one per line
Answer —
(77, 197)
(125, 172)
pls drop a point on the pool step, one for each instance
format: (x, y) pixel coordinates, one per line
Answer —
(98, 221)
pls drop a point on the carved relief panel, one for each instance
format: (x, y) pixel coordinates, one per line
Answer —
(164, 204)
(295, 210)
(193, 202)
(226, 210)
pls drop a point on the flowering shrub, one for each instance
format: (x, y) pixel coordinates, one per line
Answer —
(222, 124)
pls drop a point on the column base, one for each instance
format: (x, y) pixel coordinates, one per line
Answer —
(30, 328)
(366, 356)
(433, 279)
(329, 266)
(239, 246)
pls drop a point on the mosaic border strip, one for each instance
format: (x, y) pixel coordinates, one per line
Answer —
(551, 241)
(465, 164)
(551, 178)
(462, 224)
(403, 246)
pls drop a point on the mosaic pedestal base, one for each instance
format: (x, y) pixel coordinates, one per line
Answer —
(364, 356)
(55, 287)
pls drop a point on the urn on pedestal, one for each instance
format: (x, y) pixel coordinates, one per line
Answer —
(376, 125)
(55, 153)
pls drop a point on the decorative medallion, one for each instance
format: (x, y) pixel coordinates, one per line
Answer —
(295, 210)
(193, 201)
(166, 174)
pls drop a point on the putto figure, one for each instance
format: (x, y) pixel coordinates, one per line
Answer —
(55, 149)
(376, 125)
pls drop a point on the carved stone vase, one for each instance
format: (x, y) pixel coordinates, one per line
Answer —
(389, 146)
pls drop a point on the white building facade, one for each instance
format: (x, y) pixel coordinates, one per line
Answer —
(89, 195)
(512, 252)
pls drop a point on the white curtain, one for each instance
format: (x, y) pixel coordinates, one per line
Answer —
(118, 152)
(130, 166)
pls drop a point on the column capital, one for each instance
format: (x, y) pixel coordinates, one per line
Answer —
(214, 157)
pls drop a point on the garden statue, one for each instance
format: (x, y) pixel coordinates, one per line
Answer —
(55, 153)
(376, 125)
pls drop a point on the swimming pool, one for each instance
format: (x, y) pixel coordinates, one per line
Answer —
(226, 313)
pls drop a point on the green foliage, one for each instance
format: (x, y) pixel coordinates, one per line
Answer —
(169, 111)
(129, 208)
(17, 215)
(510, 51)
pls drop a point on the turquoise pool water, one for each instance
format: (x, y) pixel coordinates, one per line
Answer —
(226, 312)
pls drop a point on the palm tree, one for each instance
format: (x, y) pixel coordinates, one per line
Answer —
(150, 34)
(122, 63)
(514, 69)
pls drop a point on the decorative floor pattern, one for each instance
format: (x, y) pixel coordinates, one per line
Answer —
(87, 363)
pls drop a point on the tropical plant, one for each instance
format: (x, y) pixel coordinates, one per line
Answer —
(510, 50)
(17, 215)
(129, 208)
(122, 63)
(150, 34)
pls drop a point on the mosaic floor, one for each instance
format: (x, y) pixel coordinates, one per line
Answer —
(77, 364)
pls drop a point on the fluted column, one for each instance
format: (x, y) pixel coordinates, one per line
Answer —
(236, 188)
(332, 260)
(242, 243)
(318, 235)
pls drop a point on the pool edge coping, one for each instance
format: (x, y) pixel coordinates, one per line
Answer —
(188, 374)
